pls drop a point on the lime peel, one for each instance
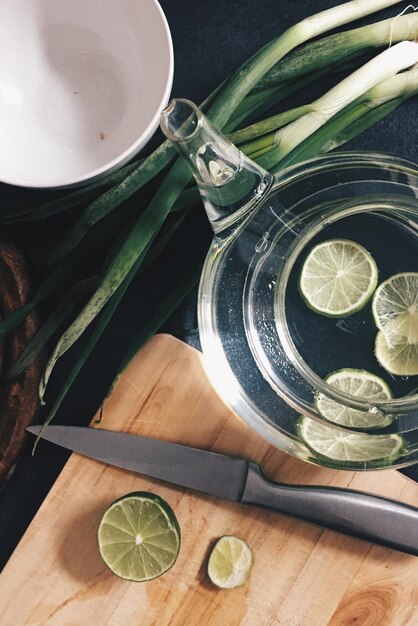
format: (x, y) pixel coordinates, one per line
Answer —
(139, 537)
(230, 562)
(338, 278)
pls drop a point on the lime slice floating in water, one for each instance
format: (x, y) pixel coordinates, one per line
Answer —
(345, 447)
(338, 278)
(399, 358)
(395, 308)
(139, 537)
(357, 383)
(230, 562)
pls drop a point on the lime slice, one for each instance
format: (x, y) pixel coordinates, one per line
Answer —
(139, 537)
(338, 278)
(395, 308)
(345, 447)
(357, 383)
(400, 358)
(230, 562)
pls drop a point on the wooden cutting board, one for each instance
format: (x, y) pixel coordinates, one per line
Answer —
(302, 576)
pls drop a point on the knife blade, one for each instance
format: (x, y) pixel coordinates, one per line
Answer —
(359, 514)
(196, 469)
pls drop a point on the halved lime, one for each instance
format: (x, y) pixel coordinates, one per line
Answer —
(400, 358)
(345, 447)
(139, 537)
(395, 308)
(357, 383)
(338, 278)
(230, 562)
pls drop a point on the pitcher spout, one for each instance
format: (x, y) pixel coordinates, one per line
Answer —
(229, 182)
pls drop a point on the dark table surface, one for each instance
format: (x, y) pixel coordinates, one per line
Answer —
(210, 40)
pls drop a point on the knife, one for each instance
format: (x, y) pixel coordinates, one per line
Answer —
(354, 513)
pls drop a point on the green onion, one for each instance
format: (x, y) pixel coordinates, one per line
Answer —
(321, 52)
(361, 119)
(257, 103)
(95, 335)
(331, 50)
(381, 100)
(386, 64)
(353, 119)
(271, 123)
(251, 72)
(400, 86)
(130, 255)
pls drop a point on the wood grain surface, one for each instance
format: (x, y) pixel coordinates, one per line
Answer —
(302, 575)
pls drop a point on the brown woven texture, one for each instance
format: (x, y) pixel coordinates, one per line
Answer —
(18, 397)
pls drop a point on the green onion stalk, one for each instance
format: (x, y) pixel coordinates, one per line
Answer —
(327, 52)
(385, 33)
(385, 65)
(380, 101)
(390, 92)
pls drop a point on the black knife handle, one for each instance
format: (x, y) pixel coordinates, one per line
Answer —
(355, 513)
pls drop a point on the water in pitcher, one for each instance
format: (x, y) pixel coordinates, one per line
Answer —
(329, 344)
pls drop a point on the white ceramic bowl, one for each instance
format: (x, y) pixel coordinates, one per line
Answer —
(82, 83)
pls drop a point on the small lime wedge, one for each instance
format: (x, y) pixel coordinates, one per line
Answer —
(338, 278)
(357, 383)
(230, 562)
(139, 537)
(399, 358)
(345, 447)
(395, 308)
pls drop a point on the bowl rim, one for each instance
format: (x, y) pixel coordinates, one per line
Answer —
(133, 148)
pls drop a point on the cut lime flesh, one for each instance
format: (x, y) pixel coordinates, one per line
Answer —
(357, 383)
(338, 278)
(395, 308)
(399, 358)
(346, 447)
(230, 562)
(139, 537)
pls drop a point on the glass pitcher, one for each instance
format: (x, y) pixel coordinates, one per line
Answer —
(273, 358)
